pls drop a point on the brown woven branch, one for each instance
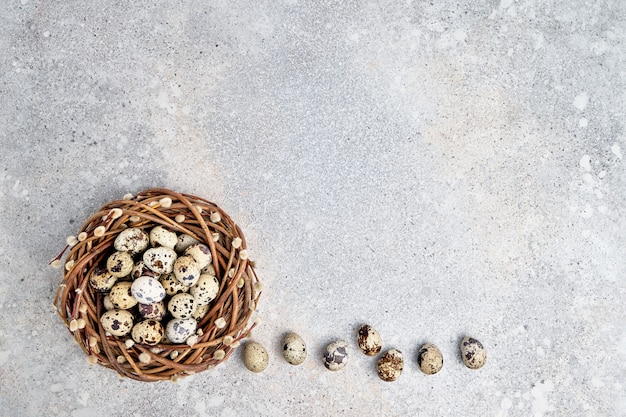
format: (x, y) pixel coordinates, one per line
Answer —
(80, 307)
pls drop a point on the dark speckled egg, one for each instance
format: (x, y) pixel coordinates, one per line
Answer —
(148, 332)
(473, 353)
(294, 349)
(117, 322)
(390, 364)
(154, 311)
(369, 340)
(336, 355)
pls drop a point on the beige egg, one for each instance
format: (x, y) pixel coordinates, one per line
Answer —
(160, 236)
(101, 280)
(184, 241)
(154, 311)
(206, 289)
(132, 240)
(120, 264)
(121, 295)
(187, 270)
(117, 322)
(141, 270)
(473, 353)
(172, 285)
(160, 260)
(429, 359)
(294, 349)
(106, 302)
(148, 332)
(255, 357)
(201, 253)
(200, 312)
(369, 340)
(390, 365)
(182, 306)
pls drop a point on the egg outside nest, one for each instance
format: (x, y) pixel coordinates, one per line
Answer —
(390, 365)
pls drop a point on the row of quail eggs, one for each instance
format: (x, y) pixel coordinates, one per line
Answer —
(429, 358)
(389, 365)
(158, 285)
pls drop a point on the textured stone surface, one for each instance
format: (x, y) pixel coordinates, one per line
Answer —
(435, 170)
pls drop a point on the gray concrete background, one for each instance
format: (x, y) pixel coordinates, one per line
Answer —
(434, 169)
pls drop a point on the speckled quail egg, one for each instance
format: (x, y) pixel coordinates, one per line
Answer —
(121, 296)
(132, 240)
(294, 349)
(117, 322)
(148, 332)
(172, 285)
(336, 355)
(160, 260)
(201, 253)
(154, 311)
(147, 290)
(106, 302)
(160, 236)
(120, 264)
(206, 289)
(178, 330)
(209, 269)
(200, 312)
(473, 353)
(184, 241)
(101, 280)
(187, 270)
(390, 364)
(182, 306)
(140, 269)
(255, 357)
(429, 359)
(369, 340)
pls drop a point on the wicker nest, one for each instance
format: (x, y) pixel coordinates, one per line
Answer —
(219, 331)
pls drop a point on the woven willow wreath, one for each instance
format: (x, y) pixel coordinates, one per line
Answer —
(219, 331)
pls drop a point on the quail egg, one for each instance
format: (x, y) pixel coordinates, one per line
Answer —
(187, 270)
(121, 296)
(182, 306)
(336, 355)
(117, 322)
(147, 290)
(102, 280)
(160, 260)
(120, 264)
(390, 364)
(430, 359)
(369, 340)
(132, 240)
(172, 285)
(148, 332)
(201, 253)
(473, 353)
(255, 357)
(294, 349)
(160, 236)
(178, 330)
(206, 289)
